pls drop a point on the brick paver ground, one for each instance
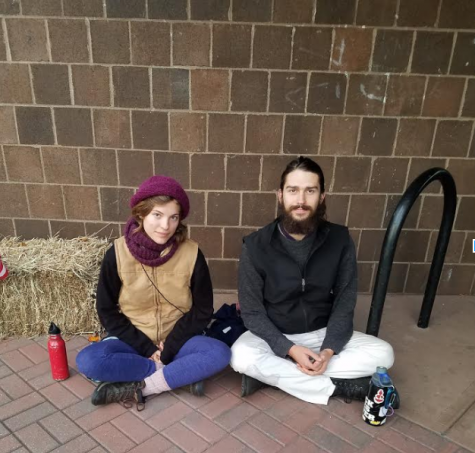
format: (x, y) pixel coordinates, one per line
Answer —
(40, 415)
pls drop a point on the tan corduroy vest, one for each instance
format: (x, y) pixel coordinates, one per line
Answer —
(139, 300)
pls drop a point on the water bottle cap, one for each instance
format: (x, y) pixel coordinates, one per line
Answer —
(381, 370)
(54, 329)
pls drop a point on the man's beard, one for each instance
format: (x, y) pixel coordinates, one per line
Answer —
(304, 226)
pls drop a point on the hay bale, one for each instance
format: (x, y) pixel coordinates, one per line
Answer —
(50, 280)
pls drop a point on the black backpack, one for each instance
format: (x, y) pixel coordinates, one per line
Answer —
(227, 325)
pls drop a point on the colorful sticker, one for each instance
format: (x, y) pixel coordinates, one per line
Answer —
(379, 397)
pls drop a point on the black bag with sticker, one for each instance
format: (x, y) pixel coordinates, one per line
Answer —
(227, 325)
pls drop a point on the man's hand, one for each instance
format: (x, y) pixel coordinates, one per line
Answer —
(318, 362)
(306, 359)
(321, 367)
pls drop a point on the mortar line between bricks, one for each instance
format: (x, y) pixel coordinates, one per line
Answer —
(234, 112)
(25, 410)
(27, 201)
(33, 97)
(373, 46)
(337, 435)
(131, 132)
(4, 163)
(472, 289)
(71, 87)
(268, 93)
(424, 94)
(258, 428)
(454, 42)
(386, 203)
(251, 61)
(252, 69)
(466, 239)
(227, 22)
(89, 41)
(53, 436)
(48, 41)
(396, 14)
(319, 145)
(437, 19)
(129, 29)
(7, 40)
(111, 91)
(434, 135)
(357, 5)
(150, 82)
(206, 133)
(411, 54)
(406, 278)
(313, 442)
(370, 229)
(282, 138)
(20, 441)
(290, 156)
(471, 141)
(230, 75)
(292, 38)
(397, 448)
(53, 121)
(211, 44)
(413, 438)
(307, 88)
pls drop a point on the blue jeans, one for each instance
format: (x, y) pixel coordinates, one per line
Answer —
(115, 361)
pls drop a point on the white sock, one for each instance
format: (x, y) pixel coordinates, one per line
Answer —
(156, 383)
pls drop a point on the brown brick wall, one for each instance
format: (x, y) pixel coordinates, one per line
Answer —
(97, 95)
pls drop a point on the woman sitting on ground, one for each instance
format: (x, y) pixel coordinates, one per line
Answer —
(154, 298)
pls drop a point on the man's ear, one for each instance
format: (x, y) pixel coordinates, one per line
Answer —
(279, 196)
(322, 197)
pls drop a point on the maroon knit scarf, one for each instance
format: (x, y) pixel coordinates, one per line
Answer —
(143, 249)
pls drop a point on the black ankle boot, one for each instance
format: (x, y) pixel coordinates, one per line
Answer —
(197, 388)
(126, 393)
(351, 389)
(250, 385)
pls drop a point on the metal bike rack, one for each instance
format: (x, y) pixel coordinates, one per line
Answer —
(390, 242)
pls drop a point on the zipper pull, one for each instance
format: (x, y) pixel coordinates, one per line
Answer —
(303, 285)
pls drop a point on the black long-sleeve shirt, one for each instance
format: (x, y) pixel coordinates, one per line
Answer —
(190, 324)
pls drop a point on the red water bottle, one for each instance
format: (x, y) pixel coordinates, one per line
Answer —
(57, 354)
(3, 270)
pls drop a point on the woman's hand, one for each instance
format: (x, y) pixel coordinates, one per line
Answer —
(156, 356)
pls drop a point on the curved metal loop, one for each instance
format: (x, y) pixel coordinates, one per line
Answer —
(390, 242)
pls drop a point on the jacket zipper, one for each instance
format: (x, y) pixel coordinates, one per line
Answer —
(302, 303)
(303, 281)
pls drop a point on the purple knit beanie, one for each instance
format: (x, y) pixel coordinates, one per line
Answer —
(162, 185)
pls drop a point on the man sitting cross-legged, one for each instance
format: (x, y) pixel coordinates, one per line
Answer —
(297, 291)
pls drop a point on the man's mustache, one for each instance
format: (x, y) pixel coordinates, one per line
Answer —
(300, 206)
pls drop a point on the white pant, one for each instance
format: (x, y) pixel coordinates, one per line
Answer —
(362, 354)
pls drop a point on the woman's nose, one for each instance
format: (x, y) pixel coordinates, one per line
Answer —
(164, 224)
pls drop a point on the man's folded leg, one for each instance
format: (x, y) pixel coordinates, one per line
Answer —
(252, 356)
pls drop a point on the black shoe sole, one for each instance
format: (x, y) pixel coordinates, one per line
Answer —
(198, 388)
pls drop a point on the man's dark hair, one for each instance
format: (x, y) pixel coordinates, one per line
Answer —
(305, 164)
